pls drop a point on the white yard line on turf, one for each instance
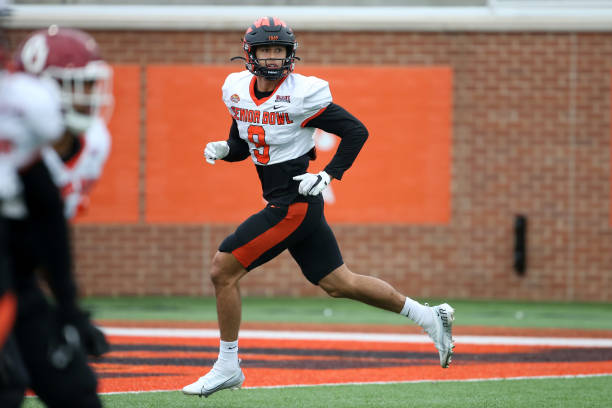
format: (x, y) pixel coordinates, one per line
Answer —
(366, 337)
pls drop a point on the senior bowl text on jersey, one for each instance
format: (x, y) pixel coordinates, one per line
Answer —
(265, 117)
(269, 124)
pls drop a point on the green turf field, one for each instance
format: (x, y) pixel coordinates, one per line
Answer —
(593, 392)
(574, 393)
(570, 393)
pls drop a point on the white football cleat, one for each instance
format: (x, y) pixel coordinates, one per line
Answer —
(441, 332)
(217, 379)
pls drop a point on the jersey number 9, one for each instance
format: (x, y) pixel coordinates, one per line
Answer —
(257, 136)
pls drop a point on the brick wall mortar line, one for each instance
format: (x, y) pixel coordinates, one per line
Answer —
(571, 191)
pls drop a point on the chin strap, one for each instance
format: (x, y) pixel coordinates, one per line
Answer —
(77, 122)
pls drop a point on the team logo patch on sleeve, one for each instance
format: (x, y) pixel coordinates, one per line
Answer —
(235, 98)
(283, 98)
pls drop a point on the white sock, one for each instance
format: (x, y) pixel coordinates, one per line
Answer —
(418, 313)
(228, 354)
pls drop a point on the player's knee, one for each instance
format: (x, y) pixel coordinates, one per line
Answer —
(217, 276)
(335, 293)
(339, 284)
(334, 289)
(223, 270)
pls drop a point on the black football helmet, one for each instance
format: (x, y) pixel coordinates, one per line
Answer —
(269, 31)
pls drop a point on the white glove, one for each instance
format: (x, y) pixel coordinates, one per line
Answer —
(216, 151)
(10, 185)
(313, 184)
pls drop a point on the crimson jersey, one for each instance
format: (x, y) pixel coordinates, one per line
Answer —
(77, 176)
(274, 127)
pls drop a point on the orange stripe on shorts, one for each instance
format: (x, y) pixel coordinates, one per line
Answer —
(253, 249)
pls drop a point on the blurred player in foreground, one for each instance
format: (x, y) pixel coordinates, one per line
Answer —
(53, 339)
(72, 58)
(13, 377)
(275, 113)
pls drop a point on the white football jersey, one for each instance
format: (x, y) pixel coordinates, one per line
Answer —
(274, 126)
(30, 117)
(76, 177)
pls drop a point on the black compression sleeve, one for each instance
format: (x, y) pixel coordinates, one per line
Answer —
(239, 149)
(46, 213)
(337, 120)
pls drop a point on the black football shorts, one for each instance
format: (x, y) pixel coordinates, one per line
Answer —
(300, 227)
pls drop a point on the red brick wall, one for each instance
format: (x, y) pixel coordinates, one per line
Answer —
(531, 135)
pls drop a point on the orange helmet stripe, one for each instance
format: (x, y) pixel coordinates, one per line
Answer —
(262, 21)
(267, 21)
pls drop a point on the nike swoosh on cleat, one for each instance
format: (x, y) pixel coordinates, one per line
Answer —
(215, 389)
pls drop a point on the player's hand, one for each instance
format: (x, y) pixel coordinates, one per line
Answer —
(216, 151)
(94, 341)
(91, 338)
(10, 185)
(313, 184)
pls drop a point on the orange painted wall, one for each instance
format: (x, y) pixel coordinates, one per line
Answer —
(530, 135)
(401, 176)
(184, 112)
(115, 197)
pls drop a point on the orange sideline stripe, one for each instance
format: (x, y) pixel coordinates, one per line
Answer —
(122, 377)
(252, 250)
(177, 376)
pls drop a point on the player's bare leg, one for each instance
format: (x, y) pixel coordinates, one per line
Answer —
(225, 273)
(367, 289)
(437, 321)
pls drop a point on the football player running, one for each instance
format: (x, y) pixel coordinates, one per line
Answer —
(53, 339)
(274, 115)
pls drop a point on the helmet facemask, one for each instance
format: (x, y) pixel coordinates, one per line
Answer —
(86, 93)
(259, 67)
